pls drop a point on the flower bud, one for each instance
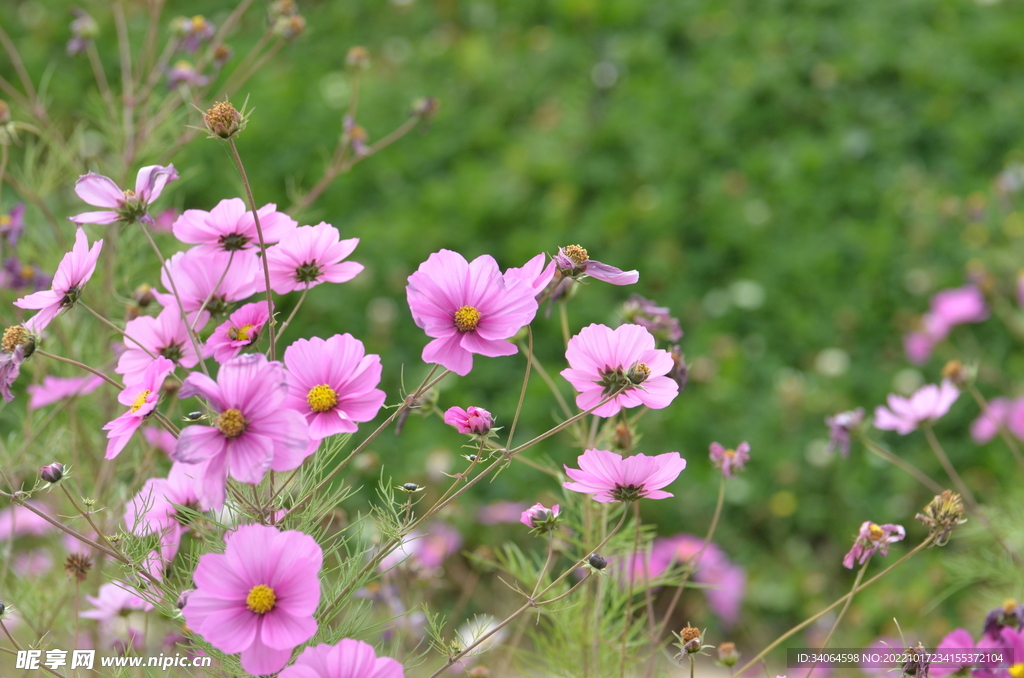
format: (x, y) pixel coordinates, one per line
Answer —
(358, 58)
(690, 637)
(283, 8)
(679, 372)
(223, 120)
(52, 472)
(412, 487)
(638, 373)
(2, 608)
(473, 420)
(425, 108)
(540, 518)
(183, 598)
(727, 654)
(143, 295)
(77, 566)
(597, 561)
(958, 373)
(942, 515)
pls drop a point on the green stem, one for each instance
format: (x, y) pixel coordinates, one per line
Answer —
(846, 606)
(951, 471)
(888, 456)
(631, 575)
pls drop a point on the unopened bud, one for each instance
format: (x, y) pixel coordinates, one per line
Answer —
(358, 58)
(412, 487)
(638, 373)
(597, 561)
(143, 295)
(223, 120)
(2, 608)
(958, 373)
(691, 639)
(183, 598)
(290, 27)
(51, 473)
(222, 54)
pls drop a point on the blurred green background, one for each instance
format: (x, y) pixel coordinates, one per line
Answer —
(792, 179)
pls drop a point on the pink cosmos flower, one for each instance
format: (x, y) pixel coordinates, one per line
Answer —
(216, 278)
(310, 255)
(17, 521)
(347, 659)
(55, 389)
(241, 329)
(839, 427)
(574, 262)
(871, 539)
(252, 430)
(603, 360)
(332, 383)
(128, 206)
(986, 426)
(165, 335)
(725, 581)
(74, 271)
(154, 510)
(467, 308)
(533, 273)
(475, 420)
(957, 641)
(729, 460)
(424, 550)
(949, 308)
(928, 404)
(114, 599)
(163, 221)
(1015, 418)
(611, 478)
(161, 439)
(258, 597)
(539, 517)
(141, 399)
(1011, 642)
(500, 512)
(34, 563)
(229, 227)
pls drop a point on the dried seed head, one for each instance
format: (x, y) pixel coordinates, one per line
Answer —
(691, 639)
(14, 336)
(223, 120)
(358, 58)
(942, 515)
(77, 565)
(727, 654)
(577, 254)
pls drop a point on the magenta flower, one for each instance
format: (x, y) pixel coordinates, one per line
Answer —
(986, 426)
(14, 275)
(141, 399)
(602, 361)
(926, 405)
(475, 420)
(424, 550)
(873, 539)
(949, 308)
(348, 659)
(229, 227)
(540, 518)
(216, 278)
(657, 319)
(839, 427)
(74, 271)
(114, 599)
(500, 512)
(12, 224)
(154, 510)
(161, 439)
(1011, 644)
(533, 273)
(258, 597)
(165, 335)
(241, 329)
(957, 641)
(726, 582)
(728, 461)
(252, 432)
(467, 308)
(16, 521)
(333, 384)
(310, 255)
(573, 261)
(127, 206)
(55, 389)
(610, 478)
(1010, 613)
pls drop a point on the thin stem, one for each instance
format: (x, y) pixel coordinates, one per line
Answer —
(1003, 432)
(810, 620)
(631, 576)
(87, 516)
(885, 454)
(209, 297)
(101, 79)
(116, 329)
(82, 366)
(563, 315)
(547, 563)
(80, 537)
(127, 83)
(526, 382)
(291, 315)
(19, 67)
(263, 245)
(846, 606)
(933, 442)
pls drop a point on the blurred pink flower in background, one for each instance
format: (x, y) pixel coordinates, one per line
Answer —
(986, 426)
(346, 659)
(19, 521)
(427, 549)
(500, 512)
(55, 389)
(729, 460)
(927, 404)
(949, 308)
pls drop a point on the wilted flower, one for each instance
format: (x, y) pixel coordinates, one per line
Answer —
(603, 361)
(540, 518)
(657, 319)
(610, 478)
(871, 539)
(475, 420)
(729, 460)
(839, 427)
(74, 271)
(258, 597)
(17, 345)
(1010, 613)
(689, 639)
(77, 566)
(83, 30)
(942, 515)
(128, 206)
(926, 405)
(573, 261)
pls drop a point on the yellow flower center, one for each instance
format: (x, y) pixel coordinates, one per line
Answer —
(5, 219)
(876, 532)
(1009, 605)
(129, 193)
(578, 255)
(140, 400)
(240, 333)
(1016, 671)
(322, 398)
(27, 271)
(261, 599)
(729, 454)
(231, 423)
(467, 318)
(14, 337)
